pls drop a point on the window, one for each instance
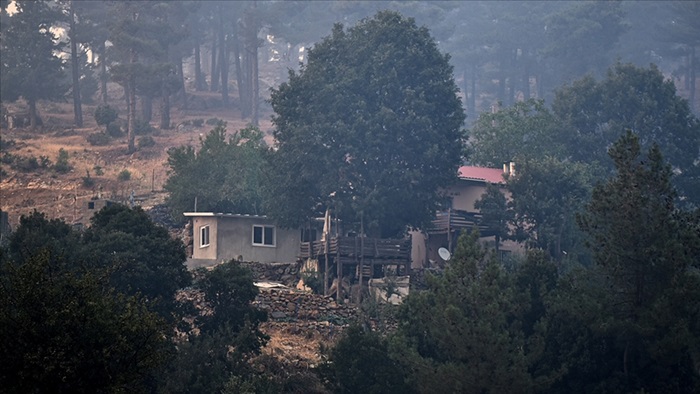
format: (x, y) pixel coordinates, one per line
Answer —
(203, 236)
(263, 235)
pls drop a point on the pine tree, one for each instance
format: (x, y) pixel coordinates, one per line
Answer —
(30, 68)
(640, 246)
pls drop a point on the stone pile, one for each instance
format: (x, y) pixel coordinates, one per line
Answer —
(310, 310)
(284, 273)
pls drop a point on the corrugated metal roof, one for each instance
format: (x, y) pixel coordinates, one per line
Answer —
(230, 215)
(483, 174)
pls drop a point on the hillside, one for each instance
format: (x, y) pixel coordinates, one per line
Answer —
(29, 182)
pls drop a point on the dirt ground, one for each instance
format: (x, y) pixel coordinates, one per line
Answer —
(61, 195)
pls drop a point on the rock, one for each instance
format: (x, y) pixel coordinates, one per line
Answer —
(278, 315)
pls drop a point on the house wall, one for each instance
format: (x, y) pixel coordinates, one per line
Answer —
(464, 194)
(206, 252)
(235, 240)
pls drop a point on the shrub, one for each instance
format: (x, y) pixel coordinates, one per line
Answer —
(114, 130)
(104, 115)
(141, 127)
(98, 139)
(44, 162)
(124, 175)
(87, 180)
(146, 141)
(62, 165)
(6, 144)
(89, 85)
(213, 121)
(198, 122)
(98, 170)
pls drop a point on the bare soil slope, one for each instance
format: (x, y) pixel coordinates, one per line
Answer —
(23, 190)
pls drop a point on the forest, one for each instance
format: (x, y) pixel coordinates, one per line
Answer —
(379, 104)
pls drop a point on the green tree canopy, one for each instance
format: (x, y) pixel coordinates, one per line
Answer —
(370, 127)
(597, 113)
(30, 67)
(651, 290)
(223, 176)
(141, 256)
(526, 130)
(546, 194)
(478, 328)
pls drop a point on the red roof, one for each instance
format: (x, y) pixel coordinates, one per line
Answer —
(483, 174)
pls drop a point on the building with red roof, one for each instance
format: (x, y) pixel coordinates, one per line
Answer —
(461, 215)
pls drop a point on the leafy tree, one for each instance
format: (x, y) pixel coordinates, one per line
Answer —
(546, 194)
(495, 214)
(229, 290)
(104, 115)
(142, 257)
(36, 233)
(30, 67)
(638, 241)
(582, 36)
(478, 328)
(597, 113)
(67, 331)
(223, 176)
(369, 127)
(524, 131)
(360, 363)
(228, 336)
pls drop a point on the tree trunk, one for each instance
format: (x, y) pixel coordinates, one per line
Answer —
(32, 114)
(239, 71)
(77, 103)
(198, 77)
(223, 60)
(103, 74)
(472, 99)
(146, 108)
(691, 97)
(526, 80)
(256, 84)
(214, 83)
(165, 110)
(183, 90)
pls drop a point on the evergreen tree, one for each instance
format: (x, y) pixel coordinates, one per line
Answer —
(638, 241)
(30, 67)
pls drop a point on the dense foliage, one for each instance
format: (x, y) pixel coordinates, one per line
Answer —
(629, 323)
(97, 312)
(372, 113)
(224, 175)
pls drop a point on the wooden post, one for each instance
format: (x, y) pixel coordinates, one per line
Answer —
(339, 268)
(325, 268)
(362, 254)
(449, 229)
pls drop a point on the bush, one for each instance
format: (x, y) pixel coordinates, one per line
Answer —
(146, 141)
(213, 121)
(98, 139)
(198, 122)
(87, 180)
(89, 85)
(124, 175)
(141, 127)
(44, 161)
(114, 130)
(104, 115)
(62, 165)
(98, 170)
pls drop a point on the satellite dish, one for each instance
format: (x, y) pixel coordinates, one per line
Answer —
(444, 254)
